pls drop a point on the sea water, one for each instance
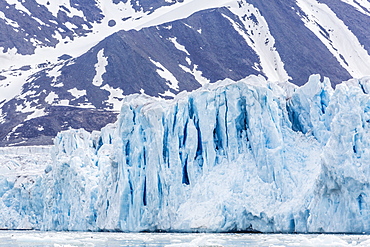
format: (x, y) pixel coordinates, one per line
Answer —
(69, 239)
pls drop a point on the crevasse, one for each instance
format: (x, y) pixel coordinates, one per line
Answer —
(232, 156)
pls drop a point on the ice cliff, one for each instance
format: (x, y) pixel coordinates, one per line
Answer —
(232, 156)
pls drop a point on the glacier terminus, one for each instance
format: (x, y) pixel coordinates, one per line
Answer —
(247, 155)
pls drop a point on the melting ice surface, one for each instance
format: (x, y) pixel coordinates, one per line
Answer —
(232, 156)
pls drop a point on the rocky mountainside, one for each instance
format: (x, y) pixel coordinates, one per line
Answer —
(68, 64)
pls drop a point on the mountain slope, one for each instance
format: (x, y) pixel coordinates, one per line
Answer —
(75, 59)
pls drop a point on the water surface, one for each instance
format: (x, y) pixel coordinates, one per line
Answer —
(71, 239)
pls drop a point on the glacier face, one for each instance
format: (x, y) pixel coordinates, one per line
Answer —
(232, 156)
(21, 190)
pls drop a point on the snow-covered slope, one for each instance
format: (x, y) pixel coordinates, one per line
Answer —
(250, 155)
(63, 61)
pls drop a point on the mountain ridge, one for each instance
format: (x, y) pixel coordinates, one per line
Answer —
(161, 48)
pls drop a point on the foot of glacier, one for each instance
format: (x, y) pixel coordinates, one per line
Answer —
(232, 156)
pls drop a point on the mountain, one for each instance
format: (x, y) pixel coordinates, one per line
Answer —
(245, 156)
(69, 64)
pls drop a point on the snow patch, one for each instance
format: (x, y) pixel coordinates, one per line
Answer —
(188, 60)
(70, 25)
(54, 6)
(39, 21)
(167, 93)
(361, 5)
(336, 36)
(19, 6)
(198, 75)
(9, 22)
(2, 117)
(77, 93)
(57, 84)
(178, 46)
(100, 68)
(55, 72)
(63, 102)
(51, 98)
(13, 132)
(36, 114)
(115, 98)
(171, 80)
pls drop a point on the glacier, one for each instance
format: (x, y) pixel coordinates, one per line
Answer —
(245, 156)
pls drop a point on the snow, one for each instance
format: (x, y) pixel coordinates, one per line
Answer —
(55, 6)
(198, 75)
(115, 97)
(55, 72)
(70, 25)
(13, 83)
(100, 68)
(39, 21)
(179, 46)
(194, 71)
(179, 10)
(2, 117)
(167, 93)
(35, 114)
(246, 155)
(336, 36)
(57, 84)
(9, 21)
(77, 93)
(171, 80)
(63, 102)
(32, 107)
(50, 99)
(19, 6)
(53, 99)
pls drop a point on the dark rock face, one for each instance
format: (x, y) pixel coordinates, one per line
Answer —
(43, 129)
(159, 60)
(130, 54)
